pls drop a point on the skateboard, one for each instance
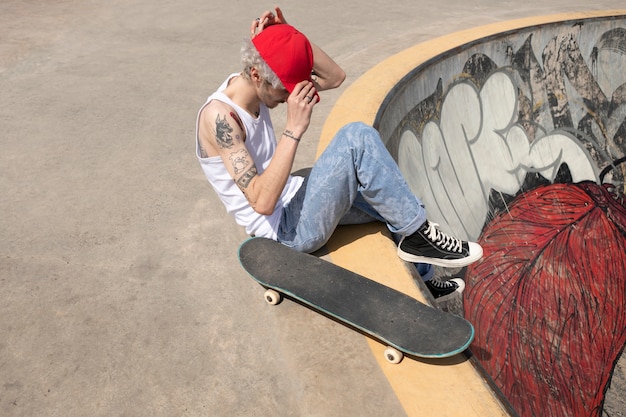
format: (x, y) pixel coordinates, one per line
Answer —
(403, 324)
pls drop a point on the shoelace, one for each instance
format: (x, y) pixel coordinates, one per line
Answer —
(448, 243)
(442, 285)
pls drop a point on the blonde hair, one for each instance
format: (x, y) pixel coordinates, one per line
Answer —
(250, 58)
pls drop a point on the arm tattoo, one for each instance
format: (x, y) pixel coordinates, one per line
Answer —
(222, 133)
(245, 179)
(237, 119)
(240, 160)
(203, 153)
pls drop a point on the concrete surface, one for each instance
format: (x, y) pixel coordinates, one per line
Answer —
(121, 292)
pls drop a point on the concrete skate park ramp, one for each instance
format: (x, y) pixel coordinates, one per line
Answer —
(514, 135)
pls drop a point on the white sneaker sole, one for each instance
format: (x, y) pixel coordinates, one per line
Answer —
(475, 253)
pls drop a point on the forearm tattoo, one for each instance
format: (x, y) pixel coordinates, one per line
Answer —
(222, 133)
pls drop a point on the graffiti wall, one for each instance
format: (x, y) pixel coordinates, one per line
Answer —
(518, 141)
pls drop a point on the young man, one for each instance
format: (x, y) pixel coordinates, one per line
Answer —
(354, 181)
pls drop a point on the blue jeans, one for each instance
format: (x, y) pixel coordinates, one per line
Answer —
(354, 181)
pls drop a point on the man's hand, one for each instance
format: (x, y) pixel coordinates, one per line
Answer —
(300, 107)
(266, 19)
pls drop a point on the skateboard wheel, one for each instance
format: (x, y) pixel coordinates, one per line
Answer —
(393, 355)
(272, 297)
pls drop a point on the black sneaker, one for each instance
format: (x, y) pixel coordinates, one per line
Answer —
(430, 245)
(442, 290)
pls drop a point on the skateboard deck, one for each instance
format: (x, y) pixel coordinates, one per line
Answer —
(401, 322)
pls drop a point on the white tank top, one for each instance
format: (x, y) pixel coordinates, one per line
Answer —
(261, 144)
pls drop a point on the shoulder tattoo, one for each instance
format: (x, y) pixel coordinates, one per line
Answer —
(237, 119)
(222, 133)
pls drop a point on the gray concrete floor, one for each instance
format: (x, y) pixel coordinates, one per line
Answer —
(121, 293)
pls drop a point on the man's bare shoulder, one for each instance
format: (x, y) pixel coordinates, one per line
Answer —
(220, 128)
(214, 108)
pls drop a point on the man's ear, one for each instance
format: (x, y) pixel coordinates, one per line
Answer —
(255, 76)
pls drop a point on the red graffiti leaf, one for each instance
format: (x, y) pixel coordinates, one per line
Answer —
(548, 299)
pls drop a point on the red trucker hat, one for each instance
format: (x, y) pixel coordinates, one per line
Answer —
(288, 53)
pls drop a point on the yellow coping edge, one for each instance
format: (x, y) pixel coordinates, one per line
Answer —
(451, 387)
